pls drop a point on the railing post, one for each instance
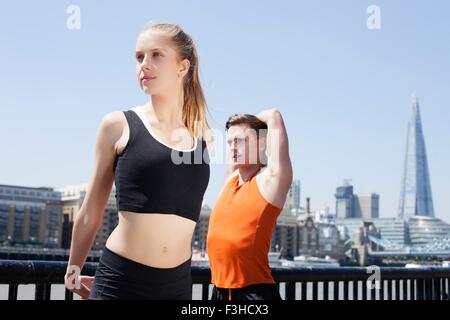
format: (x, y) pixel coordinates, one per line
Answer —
(12, 291)
(205, 291)
(315, 285)
(404, 289)
(336, 290)
(68, 295)
(428, 289)
(346, 285)
(42, 291)
(364, 289)
(436, 294)
(303, 292)
(326, 286)
(420, 289)
(289, 290)
(355, 290)
(372, 291)
(448, 288)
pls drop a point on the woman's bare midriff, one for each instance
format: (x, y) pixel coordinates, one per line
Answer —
(156, 240)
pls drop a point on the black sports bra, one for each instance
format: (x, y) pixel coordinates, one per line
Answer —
(152, 177)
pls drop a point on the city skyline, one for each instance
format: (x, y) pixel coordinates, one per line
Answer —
(342, 88)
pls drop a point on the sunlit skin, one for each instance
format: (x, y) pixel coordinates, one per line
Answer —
(264, 153)
(158, 240)
(245, 146)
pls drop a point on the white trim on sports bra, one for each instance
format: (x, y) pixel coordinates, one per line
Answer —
(140, 112)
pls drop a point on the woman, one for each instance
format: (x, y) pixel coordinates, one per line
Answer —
(159, 197)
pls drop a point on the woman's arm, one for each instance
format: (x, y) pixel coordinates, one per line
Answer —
(90, 216)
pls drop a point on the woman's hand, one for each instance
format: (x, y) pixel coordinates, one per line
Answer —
(80, 285)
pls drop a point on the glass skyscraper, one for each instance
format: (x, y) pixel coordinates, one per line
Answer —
(415, 194)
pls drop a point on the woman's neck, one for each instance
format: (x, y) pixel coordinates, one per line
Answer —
(167, 109)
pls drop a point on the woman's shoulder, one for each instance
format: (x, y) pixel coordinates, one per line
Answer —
(113, 124)
(114, 119)
(119, 116)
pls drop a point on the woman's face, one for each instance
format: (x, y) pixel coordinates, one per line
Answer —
(157, 67)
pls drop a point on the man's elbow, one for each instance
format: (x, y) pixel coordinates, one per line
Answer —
(275, 114)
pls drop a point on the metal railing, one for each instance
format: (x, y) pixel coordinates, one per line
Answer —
(342, 283)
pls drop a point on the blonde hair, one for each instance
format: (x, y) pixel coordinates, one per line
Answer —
(194, 105)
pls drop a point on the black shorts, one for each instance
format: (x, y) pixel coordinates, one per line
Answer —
(119, 278)
(263, 291)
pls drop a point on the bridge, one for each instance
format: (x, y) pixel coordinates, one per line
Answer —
(439, 248)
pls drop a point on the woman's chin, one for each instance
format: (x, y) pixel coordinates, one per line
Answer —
(149, 91)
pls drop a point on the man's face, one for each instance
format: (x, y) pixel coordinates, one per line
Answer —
(243, 145)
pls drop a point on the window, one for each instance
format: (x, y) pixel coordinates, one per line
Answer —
(3, 223)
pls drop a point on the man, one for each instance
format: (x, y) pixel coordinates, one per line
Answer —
(243, 219)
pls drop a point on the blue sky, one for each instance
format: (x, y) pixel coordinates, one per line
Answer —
(344, 90)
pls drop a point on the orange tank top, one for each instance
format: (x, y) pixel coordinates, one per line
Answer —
(239, 234)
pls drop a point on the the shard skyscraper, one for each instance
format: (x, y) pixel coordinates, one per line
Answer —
(415, 195)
